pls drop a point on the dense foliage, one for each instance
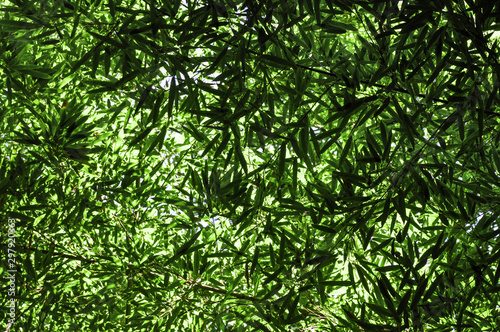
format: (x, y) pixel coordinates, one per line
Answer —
(260, 165)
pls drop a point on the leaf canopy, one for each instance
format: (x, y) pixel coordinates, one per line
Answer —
(250, 166)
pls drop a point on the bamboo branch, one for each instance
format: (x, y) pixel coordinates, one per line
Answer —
(29, 249)
(225, 292)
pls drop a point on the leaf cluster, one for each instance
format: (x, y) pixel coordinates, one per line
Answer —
(255, 165)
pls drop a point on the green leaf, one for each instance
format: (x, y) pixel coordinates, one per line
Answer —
(210, 145)
(223, 144)
(184, 249)
(438, 69)
(361, 275)
(432, 288)
(373, 146)
(417, 295)
(35, 73)
(157, 142)
(153, 117)
(107, 40)
(144, 95)
(199, 136)
(325, 229)
(11, 25)
(279, 62)
(379, 310)
(140, 137)
(241, 158)
(281, 162)
(345, 150)
(82, 60)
